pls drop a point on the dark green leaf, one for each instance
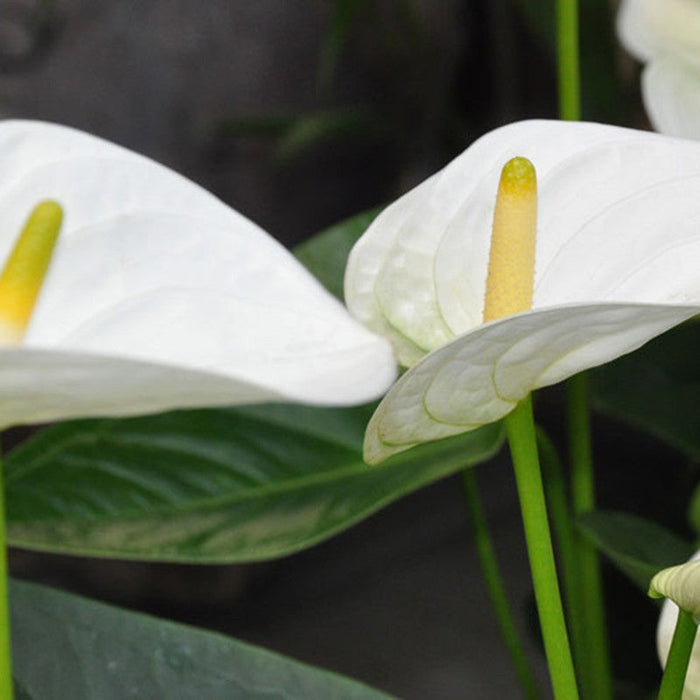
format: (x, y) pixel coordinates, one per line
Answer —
(326, 254)
(636, 546)
(68, 647)
(213, 485)
(656, 388)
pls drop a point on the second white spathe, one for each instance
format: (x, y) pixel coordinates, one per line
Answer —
(665, 36)
(618, 245)
(159, 296)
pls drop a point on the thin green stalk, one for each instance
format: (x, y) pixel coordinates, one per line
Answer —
(496, 589)
(596, 671)
(5, 656)
(568, 60)
(562, 525)
(678, 657)
(520, 427)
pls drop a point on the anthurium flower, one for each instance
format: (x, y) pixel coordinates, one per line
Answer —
(666, 37)
(159, 296)
(616, 263)
(680, 585)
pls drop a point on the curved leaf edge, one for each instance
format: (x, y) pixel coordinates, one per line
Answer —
(457, 459)
(191, 636)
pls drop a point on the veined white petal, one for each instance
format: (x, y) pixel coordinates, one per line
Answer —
(608, 198)
(398, 252)
(681, 584)
(671, 91)
(650, 28)
(158, 351)
(131, 255)
(383, 261)
(618, 244)
(46, 385)
(666, 36)
(480, 376)
(640, 239)
(160, 296)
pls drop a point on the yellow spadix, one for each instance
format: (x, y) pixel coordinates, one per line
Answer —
(511, 270)
(25, 269)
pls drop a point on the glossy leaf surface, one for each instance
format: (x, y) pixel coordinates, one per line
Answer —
(638, 547)
(326, 254)
(69, 647)
(212, 485)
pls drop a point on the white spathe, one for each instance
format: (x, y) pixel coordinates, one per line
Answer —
(681, 584)
(664, 636)
(159, 296)
(617, 263)
(665, 35)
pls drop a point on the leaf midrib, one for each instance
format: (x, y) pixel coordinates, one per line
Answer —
(352, 470)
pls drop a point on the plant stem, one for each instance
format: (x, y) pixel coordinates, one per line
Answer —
(520, 427)
(5, 649)
(562, 525)
(568, 60)
(496, 589)
(678, 657)
(596, 670)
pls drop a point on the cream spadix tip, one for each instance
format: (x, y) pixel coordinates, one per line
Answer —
(511, 270)
(25, 269)
(681, 584)
(518, 177)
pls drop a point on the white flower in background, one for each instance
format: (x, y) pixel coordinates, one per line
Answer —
(616, 263)
(665, 35)
(681, 584)
(159, 296)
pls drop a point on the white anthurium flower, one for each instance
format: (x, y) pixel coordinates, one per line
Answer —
(159, 296)
(665, 35)
(616, 263)
(681, 584)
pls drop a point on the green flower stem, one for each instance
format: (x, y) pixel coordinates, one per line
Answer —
(559, 510)
(592, 654)
(568, 60)
(678, 657)
(5, 655)
(496, 589)
(520, 427)
(596, 670)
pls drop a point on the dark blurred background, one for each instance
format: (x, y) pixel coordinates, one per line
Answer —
(298, 114)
